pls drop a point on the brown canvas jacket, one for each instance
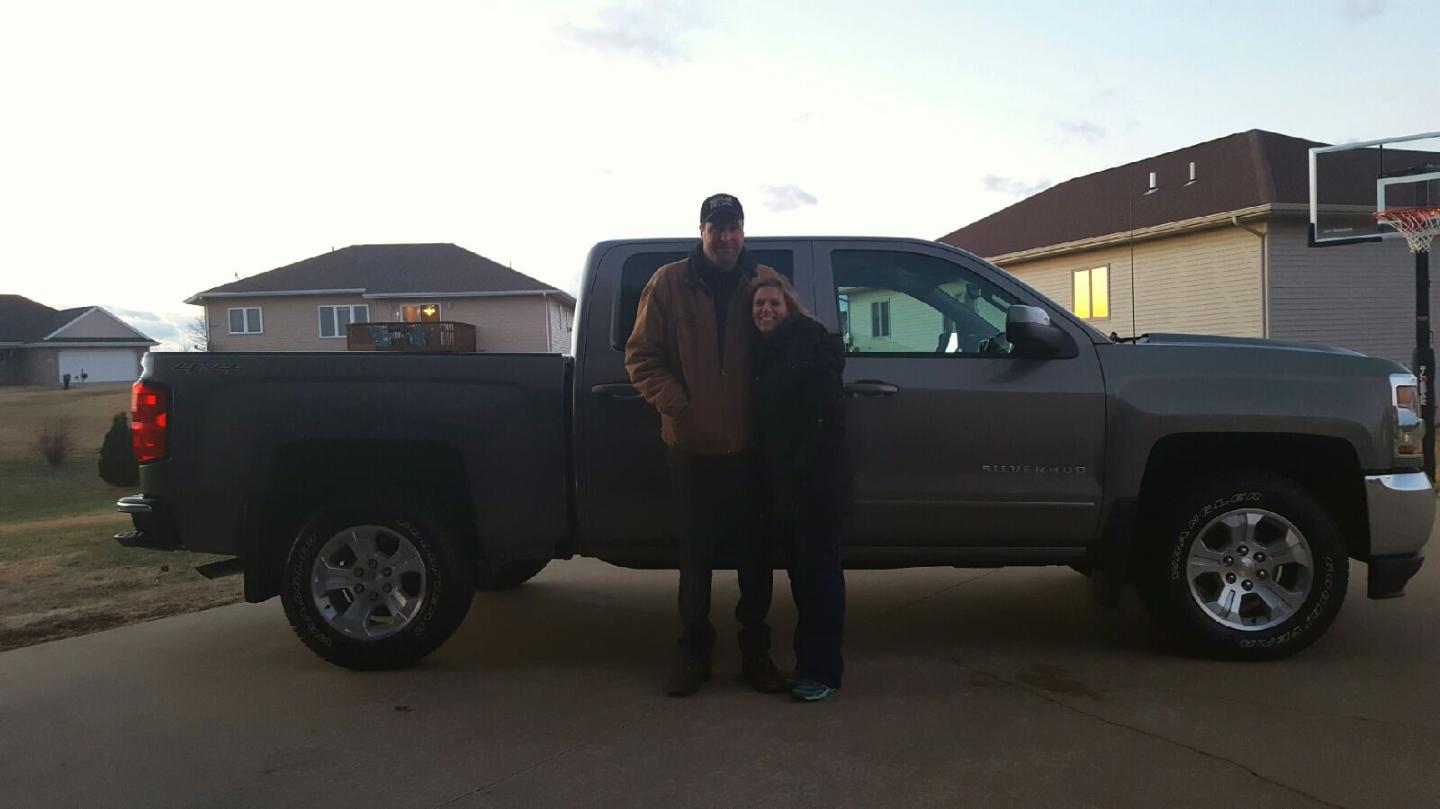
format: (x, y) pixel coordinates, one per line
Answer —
(671, 359)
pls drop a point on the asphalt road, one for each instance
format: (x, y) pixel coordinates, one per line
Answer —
(965, 688)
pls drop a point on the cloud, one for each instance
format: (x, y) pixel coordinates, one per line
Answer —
(1085, 130)
(1018, 188)
(788, 197)
(1362, 10)
(652, 30)
(168, 327)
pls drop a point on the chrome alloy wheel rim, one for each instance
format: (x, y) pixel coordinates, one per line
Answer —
(368, 582)
(1250, 569)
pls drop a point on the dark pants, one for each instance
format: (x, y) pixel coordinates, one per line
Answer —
(718, 505)
(817, 580)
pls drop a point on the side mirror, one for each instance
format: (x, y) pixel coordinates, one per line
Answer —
(1029, 330)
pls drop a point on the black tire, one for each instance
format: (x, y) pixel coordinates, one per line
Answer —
(448, 583)
(509, 575)
(1167, 591)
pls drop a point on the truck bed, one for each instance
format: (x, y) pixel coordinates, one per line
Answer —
(246, 429)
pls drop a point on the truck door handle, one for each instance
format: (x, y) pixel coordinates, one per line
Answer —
(870, 387)
(618, 390)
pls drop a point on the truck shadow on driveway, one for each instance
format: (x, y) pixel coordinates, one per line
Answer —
(621, 619)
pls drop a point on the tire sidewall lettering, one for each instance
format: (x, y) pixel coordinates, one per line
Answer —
(1181, 544)
(1321, 602)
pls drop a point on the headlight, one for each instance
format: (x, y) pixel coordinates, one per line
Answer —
(1409, 427)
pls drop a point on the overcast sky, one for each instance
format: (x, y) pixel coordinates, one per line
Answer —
(153, 150)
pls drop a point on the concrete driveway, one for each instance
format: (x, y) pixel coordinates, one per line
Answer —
(966, 688)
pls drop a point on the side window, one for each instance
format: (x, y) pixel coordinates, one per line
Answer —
(335, 319)
(1091, 293)
(639, 268)
(893, 302)
(245, 320)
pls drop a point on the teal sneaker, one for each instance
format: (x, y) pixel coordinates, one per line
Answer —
(811, 691)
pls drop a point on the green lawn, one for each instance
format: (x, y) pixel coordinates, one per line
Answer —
(31, 489)
(61, 572)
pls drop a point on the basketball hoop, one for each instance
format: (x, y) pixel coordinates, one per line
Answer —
(1419, 225)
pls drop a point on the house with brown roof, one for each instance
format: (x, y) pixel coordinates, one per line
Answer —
(1218, 243)
(40, 345)
(306, 306)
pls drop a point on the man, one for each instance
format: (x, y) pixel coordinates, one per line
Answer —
(689, 356)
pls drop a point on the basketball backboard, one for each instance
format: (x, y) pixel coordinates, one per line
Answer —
(1350, 182)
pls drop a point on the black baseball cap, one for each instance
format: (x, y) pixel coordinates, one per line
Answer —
(720, 205)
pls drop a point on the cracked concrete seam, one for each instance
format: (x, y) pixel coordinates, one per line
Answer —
(907, 605)
(1038, 694)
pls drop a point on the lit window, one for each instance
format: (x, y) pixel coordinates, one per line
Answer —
(422, 312)
(1092, 293)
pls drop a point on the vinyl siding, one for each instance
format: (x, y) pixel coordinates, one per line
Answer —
(1200, 283)
(290, 324)
(915, 326)
(1360, 296)
(509, 323)
(562, 316)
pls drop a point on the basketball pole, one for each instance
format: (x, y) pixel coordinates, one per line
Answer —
(1424, 358)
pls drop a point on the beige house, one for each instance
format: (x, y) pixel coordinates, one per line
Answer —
(1218, 244)
(307, 306)
(41, 346)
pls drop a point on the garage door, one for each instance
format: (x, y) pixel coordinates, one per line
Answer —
(100, 364)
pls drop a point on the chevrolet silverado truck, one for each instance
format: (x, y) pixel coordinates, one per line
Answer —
(1230, 481)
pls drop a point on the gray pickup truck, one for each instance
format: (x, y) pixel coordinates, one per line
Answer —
(1229, 480)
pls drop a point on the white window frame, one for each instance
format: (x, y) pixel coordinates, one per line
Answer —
(245, 319)
(339, 335)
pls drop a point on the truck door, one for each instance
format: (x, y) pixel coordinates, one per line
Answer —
(623, 487)
(954, 441)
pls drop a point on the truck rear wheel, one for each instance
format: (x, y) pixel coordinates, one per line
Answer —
(1250, 567)
(375, 583)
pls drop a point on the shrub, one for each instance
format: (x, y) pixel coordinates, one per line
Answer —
(56, 440)
(117, 456)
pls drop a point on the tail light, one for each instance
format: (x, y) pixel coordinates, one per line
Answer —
(149, 418)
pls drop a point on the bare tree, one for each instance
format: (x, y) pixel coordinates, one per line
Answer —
(197, 334)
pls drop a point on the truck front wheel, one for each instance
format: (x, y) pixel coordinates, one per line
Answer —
(1249, 567)
(375, 583)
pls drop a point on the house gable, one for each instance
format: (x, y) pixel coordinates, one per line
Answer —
(95, 324)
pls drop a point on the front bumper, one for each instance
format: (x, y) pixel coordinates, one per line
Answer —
(1402, 515)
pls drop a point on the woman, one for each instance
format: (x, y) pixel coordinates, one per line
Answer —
(799, 417)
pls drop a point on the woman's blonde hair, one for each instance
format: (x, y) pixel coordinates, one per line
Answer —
(787, 291)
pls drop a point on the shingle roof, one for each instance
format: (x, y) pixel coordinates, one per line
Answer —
(25, 321)
(381, 269)
(1238, 171)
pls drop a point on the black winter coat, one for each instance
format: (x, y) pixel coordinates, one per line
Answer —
(799, 411)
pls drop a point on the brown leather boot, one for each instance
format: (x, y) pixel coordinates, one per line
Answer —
(759, 673)
(692, 670)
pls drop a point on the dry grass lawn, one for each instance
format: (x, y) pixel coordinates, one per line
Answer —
(61, 573)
